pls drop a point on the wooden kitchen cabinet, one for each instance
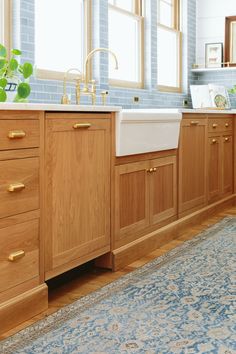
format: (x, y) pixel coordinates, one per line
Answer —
(220, 158)
(192, 163)
(77, 189)
(145, 194)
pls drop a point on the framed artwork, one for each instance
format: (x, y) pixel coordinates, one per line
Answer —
(213, 55)
(230, 40)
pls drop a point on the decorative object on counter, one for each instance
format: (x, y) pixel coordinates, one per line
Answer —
(213, 55)
(89, 88)
(180, 302)
(14, 77)
(230, 40)
(210, 97)
(232, 90)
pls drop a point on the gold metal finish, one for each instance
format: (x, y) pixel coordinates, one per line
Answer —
(16, 134)
(104, 97)
(16, 255)
(214, 125)
(194, 122)
(81, 125)
(226, 139)
(92, 91)
(15, 187)
(214, 141)
(226, 125)
(65, 98)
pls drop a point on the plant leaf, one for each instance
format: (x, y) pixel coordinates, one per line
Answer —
(27, 70)
(23, 90)
(3, 51)
(3, 95)
(13, 64)
(2, 63)
(16, 51)
(3, 82)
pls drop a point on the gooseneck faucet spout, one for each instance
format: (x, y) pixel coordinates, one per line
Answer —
(86, 78)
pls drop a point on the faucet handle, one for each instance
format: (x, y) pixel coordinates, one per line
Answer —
(104, 97)
(93, 86)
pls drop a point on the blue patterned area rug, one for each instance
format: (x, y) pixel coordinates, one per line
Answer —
(182, 302)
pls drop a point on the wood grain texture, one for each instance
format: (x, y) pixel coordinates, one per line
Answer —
(227, 164)
(24, 237)
(30, 127)
(192, 164)
(23, 307)
(214, 168)
(77, 190)
(163, 189)
(25, 171)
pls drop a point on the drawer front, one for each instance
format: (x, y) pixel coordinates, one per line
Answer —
(19, 186)
(19, 254)
(220, 125)
(19, 134)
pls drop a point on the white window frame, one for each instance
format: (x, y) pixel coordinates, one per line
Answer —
(174, 28)
(59, 75)
(6, 23)
(137, 15)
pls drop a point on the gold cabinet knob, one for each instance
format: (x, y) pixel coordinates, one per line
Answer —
(151, 170)
(194, 122)
(15, 187)
(82, 125)
(226, 125)
(226, 139)
(214, 141)
(16, 255)
(16, 134)
(154, 169)
(214, 125)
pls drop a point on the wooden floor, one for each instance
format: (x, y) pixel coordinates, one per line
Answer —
(72, 286)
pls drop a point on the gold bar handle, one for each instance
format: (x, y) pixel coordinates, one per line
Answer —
(16, 134)
(214, 125)
(194, 122)
(16, 255)
(81, 125)
(15, 187)
(214, 141)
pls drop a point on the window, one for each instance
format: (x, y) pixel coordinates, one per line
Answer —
(5, 22)
(126, 41)
(60, 31)
(169, 56)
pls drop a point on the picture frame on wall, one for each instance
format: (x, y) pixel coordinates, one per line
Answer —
(230, 40)
(213, 55)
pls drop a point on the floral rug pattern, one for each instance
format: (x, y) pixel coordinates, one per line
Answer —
(183, 302)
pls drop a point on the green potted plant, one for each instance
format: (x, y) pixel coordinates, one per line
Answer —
(14, 76)
(232, 90)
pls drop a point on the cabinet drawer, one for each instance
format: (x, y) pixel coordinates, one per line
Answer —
(19, 134)
(19, 186)
(220, 124)
(19, 254)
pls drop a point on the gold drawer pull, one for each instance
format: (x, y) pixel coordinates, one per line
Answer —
(15, 187)
(194, 122)
(81, 125)
(214, 125)
(16, 134)
(16, 255)
(226, 139)
(150, 170)
(226, 125)
(214, 141)
(154, 169)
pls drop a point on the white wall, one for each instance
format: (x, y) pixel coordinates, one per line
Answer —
(211, 23)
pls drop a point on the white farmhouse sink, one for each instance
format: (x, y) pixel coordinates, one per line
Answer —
(145, 130)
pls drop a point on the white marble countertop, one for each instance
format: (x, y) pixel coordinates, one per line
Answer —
(99, 108)
(58, 107)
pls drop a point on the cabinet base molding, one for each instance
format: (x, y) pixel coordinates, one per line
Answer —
(23, 307)
(134, 250)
